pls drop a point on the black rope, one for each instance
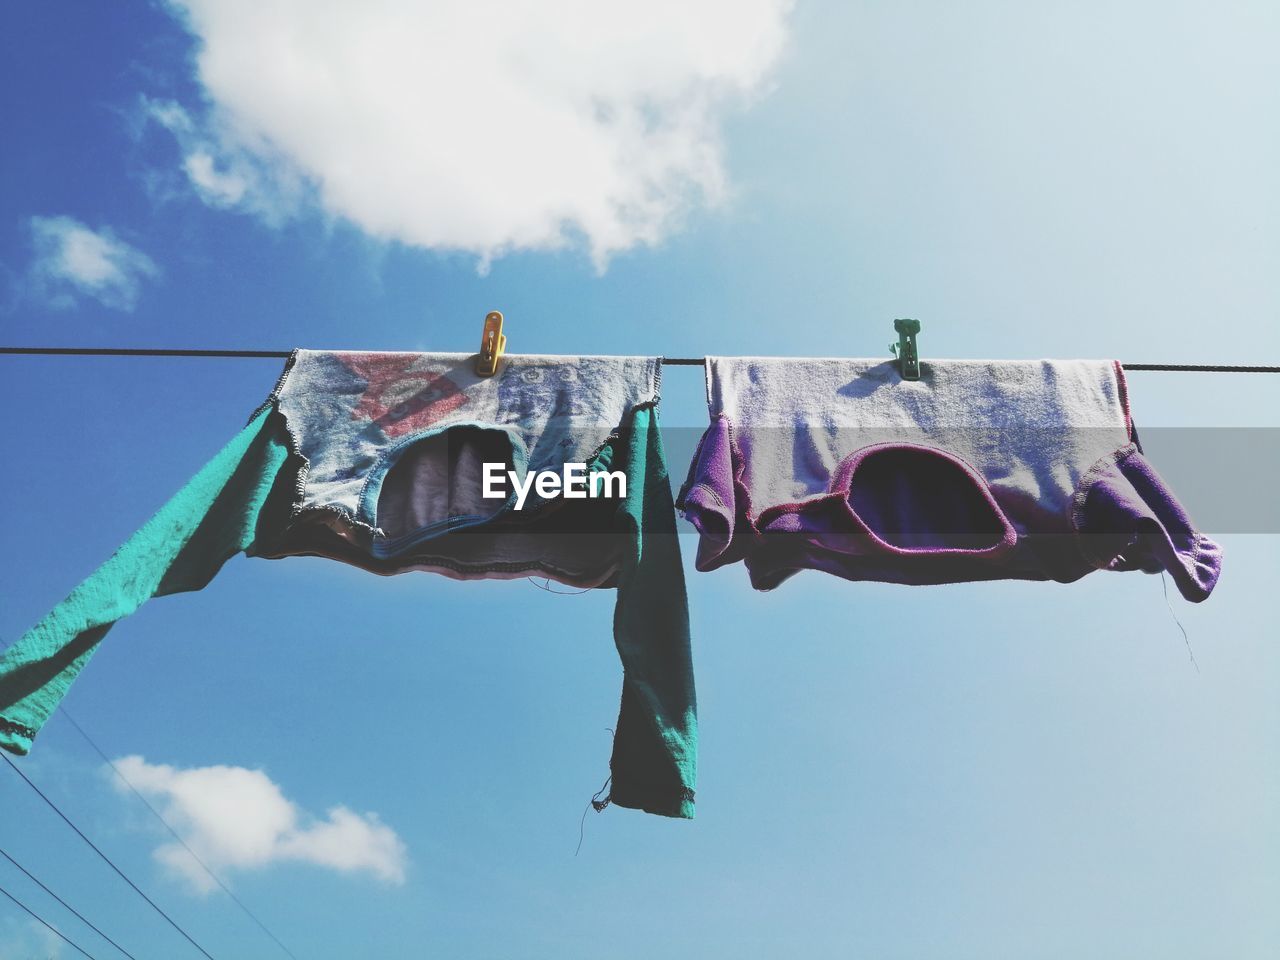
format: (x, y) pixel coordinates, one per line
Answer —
(67, 820)
(1202, 367)
(1173, 367)
(130, 352)
(667, 361)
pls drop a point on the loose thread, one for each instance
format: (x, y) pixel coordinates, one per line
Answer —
(559, 593)
(596, 803)
(599, 804)
(1185, 639)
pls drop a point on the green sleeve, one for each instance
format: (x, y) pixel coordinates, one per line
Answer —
(655, 747)
(215, 516)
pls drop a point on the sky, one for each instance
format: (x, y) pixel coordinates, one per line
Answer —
(397, 767)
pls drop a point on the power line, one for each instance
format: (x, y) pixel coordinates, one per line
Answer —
(114, 352)
(1201, 367)
(47, 924)
(156, 813)
(67, 820)
(36, 880)
(668, 361)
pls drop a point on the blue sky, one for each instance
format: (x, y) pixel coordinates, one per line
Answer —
(991, 770)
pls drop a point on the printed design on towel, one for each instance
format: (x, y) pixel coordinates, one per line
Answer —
(351, 412)
(529, 391)
(401, 398)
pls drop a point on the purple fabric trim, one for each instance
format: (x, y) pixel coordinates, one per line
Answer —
(715, 499)
(1128, 519)
(911, 499)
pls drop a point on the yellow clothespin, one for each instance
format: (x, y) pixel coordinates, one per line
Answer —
(492, 345)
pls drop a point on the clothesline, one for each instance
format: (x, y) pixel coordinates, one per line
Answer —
(338, 463)
(667, 361)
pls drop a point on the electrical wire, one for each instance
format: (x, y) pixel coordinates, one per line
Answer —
(131, 352)
(48, 925)
(79, 916)
(138, 890)
(156, 813)
(1202, 367)
(667, 361)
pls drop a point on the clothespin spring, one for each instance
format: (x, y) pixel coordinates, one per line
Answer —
(492, 345)
(905, 349)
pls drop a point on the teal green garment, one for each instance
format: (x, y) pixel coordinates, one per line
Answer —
(212, 518)
(242, 501)
(655, 748)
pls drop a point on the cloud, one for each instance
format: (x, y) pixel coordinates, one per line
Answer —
(222, 173)
(485, 126)
(74, 260)
(218, 187)
(238, 819)
(22, 936)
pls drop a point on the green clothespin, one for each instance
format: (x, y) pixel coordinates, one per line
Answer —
(905, 348)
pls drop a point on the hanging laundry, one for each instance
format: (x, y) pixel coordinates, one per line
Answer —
(977, 471)
(378, 460)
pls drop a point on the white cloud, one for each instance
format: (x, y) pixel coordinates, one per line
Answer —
(216, 186)
(238, 819)
(22, 936)
(223, 174)
(485, 126)
(72, 259)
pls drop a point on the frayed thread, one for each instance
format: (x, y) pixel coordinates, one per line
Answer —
(546, 588)
(1164, 583)
(595, 803)
(599, 804)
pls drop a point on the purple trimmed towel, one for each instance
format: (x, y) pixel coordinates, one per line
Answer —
(980, 470)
